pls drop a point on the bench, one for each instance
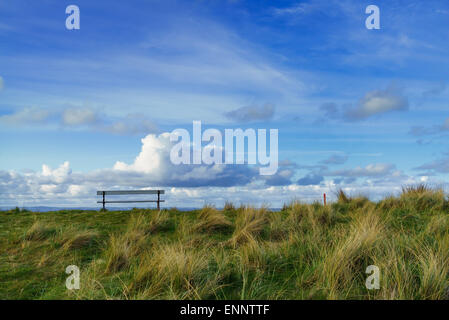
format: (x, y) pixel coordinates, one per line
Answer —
(122, 192)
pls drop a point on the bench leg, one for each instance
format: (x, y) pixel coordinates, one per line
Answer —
(104, 202)
(158, 200)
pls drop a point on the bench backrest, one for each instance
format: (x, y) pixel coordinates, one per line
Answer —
(117, 192)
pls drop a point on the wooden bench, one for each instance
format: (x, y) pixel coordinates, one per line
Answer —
(122, 192)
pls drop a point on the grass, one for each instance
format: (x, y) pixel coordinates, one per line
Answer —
(211, 220)
(305, 251)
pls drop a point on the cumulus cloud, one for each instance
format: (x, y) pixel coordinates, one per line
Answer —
(154, 162)
(153, 155)
(193, 185)
(80, 191)
(378, 102)
(199, 184)
(251, 113)
(47, 183)
(58, 175)
(154, 165)
(151, 168)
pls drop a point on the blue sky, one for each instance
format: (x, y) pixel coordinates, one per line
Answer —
(364, 110)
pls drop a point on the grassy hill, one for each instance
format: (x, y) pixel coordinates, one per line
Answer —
(306, 251)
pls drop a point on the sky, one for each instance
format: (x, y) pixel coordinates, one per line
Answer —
(92, 109)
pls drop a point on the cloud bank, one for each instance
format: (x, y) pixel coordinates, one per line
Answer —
(194, 185)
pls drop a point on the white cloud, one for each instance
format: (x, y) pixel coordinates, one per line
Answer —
(78, 116)
(196, 63)
(92, 119)
(371, 170)
(153, 165)
(77, 190)
(152, 157)
(151, 168)
(62, 187)
(189, 185)
(31, 115)
(81, 118)
(58, 175)
(83, 192)
(377, 102)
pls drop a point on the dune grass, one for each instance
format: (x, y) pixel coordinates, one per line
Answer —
(304, 251)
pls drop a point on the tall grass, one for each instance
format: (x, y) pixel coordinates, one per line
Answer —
(210, 219)
(354, 250)
(248, 225)
(39, 231)
(150, 222)
(174, 271)
(305, 251)
(79, 239)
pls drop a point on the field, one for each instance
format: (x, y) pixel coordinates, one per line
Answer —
(305, 251)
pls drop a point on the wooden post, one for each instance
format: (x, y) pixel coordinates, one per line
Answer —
(324, 197)
(158, 200)
(104, 202)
